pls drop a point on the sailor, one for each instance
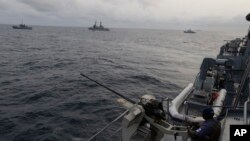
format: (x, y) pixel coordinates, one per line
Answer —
(209, 130)
(153, 108)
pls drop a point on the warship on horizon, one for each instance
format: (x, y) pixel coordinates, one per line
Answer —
(189, 31)
(98, 28)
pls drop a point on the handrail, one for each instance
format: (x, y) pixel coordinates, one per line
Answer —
(245, 111)
(119, 129)
(121, 115)
(195, 103)
(243, 80)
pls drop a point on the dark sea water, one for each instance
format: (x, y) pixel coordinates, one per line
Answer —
(44, 98)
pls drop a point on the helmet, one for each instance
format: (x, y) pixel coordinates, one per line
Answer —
(248, 17)
(147, 99)
(208, 113)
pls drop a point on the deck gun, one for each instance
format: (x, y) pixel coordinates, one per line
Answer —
(147, 110)
(152, 106)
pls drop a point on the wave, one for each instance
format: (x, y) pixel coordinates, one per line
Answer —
(6, 126)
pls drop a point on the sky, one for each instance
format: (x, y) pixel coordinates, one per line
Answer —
(158, 14)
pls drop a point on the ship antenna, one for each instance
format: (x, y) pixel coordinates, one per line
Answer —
(113, 91)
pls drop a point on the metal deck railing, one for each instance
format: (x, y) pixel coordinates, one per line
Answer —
(111, 131)
(242, 83)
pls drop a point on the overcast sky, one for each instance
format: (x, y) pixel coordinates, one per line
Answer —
(167, 14)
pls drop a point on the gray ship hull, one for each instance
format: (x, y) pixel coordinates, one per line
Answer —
(21, 27)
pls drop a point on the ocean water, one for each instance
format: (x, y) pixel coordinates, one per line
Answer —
(44, 98)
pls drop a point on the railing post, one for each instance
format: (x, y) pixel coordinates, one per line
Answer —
(246, 104)
(245, 111)
(168, 107)
(186, 107)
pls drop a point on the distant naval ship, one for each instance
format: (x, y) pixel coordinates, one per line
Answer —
(98, 28)
(189, 31)
(22, 26)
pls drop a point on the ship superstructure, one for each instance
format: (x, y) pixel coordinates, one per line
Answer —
(95, 27)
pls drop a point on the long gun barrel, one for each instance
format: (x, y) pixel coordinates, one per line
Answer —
(113, 91)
